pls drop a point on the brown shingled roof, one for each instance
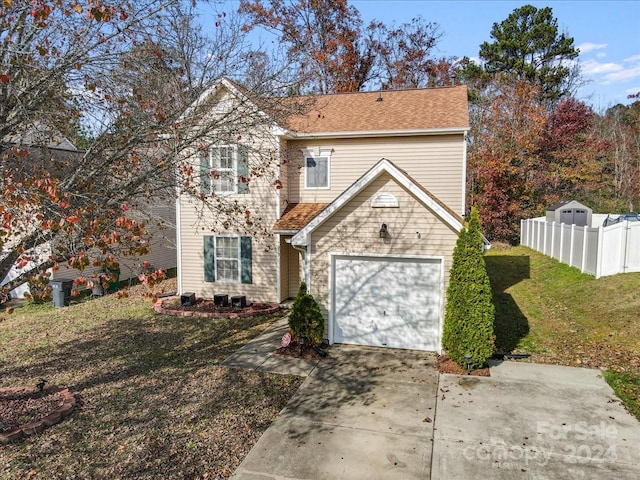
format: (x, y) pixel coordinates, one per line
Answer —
(417, 109)
(297, 215)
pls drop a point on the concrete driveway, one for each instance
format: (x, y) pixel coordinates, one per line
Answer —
(367, 413)
(362, 414)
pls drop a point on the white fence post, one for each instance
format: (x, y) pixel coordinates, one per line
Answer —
(583, 261)
(599, 250)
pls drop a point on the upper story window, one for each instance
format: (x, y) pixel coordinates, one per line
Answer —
(317, 168)
(224, 169)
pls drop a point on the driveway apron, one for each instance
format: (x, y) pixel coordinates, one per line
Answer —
(361, 413)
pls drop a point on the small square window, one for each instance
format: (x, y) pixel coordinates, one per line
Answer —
(317, 172)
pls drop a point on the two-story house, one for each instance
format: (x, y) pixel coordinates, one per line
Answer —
(364, 203)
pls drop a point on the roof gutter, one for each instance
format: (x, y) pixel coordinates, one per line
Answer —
(373, 133)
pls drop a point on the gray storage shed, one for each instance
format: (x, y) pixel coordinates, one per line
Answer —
(570, 212)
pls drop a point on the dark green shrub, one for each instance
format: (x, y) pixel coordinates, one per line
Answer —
(305, 320)
(469, 313)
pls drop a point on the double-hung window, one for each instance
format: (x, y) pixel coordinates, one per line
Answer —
(227, 259)
(317, 168)
(224, 169)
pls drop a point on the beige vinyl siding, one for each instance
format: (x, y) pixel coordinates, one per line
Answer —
(355, 229)
(284, 269)
(289, 269)
(163, 253)
(283, 176)
(261, 201)
(294, 272)
(264, 263)
(436, 162)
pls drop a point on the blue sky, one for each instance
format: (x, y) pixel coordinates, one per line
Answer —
(607, 32)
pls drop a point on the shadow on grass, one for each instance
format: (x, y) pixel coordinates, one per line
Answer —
(153, 400)
(510, 324)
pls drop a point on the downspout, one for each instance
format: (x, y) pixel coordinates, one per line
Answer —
(464, 174)
(178, 245)
(305, 250)
(278, 237)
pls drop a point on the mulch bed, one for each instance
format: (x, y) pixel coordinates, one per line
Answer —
(446, 365)
(206, 308)
(27, 410)
(307, 352)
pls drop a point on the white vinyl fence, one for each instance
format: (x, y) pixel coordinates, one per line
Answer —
(599, 251)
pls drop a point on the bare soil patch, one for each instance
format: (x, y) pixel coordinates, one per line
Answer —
(294, 349)
(446, 365)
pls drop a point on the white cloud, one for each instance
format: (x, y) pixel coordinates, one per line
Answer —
(633, 58)
(601, 55)
(632, 91)
(593, 67)
(587, 47)
(623, 75)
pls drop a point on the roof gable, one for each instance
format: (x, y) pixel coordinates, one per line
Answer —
(440, 209)
(421, 110)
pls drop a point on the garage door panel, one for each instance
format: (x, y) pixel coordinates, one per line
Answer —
(392, 302)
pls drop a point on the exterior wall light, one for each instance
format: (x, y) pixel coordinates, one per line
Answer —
(384, 231)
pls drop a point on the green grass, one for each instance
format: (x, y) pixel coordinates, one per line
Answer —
(627, 387)
(558, 315)
(153, 399)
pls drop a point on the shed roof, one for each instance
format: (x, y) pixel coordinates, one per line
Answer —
(297, 215)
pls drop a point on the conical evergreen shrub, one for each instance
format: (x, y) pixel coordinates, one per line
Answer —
(305, 320)
(469, 311)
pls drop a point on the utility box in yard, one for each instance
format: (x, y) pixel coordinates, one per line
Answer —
(61, 292)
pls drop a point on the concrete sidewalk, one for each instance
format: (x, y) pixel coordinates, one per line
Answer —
(533, 421)
(383, 413)
(259, 354)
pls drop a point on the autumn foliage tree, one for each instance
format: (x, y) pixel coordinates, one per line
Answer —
(334, 52)
(323, 38)
(127, 71)
(504, 175)
(619, 129)
(570, 155)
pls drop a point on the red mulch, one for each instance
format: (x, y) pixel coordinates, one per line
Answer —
(293, 350)
(208, 306)
(446, 365)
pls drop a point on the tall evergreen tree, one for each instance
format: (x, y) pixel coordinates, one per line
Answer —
(528, 45)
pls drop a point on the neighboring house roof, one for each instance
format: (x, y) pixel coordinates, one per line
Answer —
(416, 110)
(440, 209)
(296, 216)
(40, 135)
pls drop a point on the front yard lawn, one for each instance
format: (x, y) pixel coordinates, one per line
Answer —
(558, 315)
(153, 400)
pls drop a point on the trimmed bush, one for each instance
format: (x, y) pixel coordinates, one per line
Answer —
(305, 320)
(469, 313)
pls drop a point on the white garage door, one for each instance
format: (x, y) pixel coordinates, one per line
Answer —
(387, 301)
